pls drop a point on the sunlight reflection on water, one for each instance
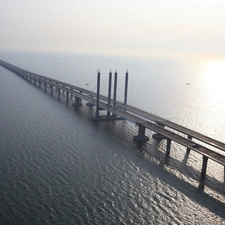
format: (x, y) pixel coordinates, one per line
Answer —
(213, 80)
(80, 166)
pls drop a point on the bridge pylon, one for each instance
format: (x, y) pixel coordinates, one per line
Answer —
(126, 88)
(111, 105)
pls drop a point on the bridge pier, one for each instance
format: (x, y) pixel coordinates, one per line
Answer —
(39, 83)
(90, 104)
(168, 146)
(67, 97)
(204, 164)
(77, 102)
(51, 86)
(159, 136)
(188, 149)
(34, 81)
(141, 134)
(59, 92)
(224, 174)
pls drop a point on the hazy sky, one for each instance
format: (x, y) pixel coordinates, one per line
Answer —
(123, 27)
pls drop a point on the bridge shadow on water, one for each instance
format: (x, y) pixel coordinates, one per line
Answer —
(198, 194)
(157, 160)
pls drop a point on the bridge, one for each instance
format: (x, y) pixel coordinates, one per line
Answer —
(208, 147)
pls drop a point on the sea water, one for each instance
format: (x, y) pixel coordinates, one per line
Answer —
(57, 166)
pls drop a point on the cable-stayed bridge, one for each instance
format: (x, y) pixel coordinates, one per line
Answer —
(208, 147)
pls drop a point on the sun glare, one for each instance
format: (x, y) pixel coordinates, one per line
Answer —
(214, 78)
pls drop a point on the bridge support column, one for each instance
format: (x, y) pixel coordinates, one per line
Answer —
(77, 102)
(159, 136)
(51, 88)
(204, 164)
(90, 103)
(67, 97)
(141, 134)
(188, 149)
(39, 83)
(45, 86)
(224, 174)
(34, 81)
(59, 92)
(168, 146)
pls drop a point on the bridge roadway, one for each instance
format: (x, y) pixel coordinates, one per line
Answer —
(136, 116)
(168, 134)
(172, 125)
(128, 108)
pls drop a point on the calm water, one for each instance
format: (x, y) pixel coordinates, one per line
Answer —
(60, 167)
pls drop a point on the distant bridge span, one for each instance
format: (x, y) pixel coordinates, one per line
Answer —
(121, 110)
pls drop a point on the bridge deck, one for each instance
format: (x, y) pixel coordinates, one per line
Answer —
(134, 115)
(179, 128)
(175, 137)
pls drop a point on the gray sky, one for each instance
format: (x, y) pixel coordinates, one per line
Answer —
(121, 27)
